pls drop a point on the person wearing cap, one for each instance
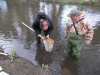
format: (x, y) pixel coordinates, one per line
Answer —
(77, 30)
(42, 22)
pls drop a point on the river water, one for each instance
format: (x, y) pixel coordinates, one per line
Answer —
(15, 36)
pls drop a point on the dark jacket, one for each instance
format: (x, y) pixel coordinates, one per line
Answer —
(36, 23)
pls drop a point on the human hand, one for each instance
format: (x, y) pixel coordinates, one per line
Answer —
(65, 37)
(87, 42)
(47, 37)
(39, 35)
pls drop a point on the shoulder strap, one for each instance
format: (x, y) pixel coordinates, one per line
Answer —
(75, 28)
(76, 22)
(79, 20)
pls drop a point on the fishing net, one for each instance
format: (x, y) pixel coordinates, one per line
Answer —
(48, 43)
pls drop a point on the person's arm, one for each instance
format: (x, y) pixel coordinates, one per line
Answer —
(36, 27)
(89, 34)
(66, 29)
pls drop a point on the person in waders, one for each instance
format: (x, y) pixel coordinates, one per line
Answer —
(77, 30)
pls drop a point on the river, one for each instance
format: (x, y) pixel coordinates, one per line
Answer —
(15, 36)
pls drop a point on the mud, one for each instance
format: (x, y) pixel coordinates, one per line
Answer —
(21, 66)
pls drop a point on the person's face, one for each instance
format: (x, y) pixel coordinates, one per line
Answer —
(75, 17)
(45, 25)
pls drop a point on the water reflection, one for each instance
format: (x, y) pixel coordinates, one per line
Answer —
(88, 15)
(15, 36)
(45, 7)
(43, 57)
(3, 8)
(14, 44)
(15, 21)
(66, 10)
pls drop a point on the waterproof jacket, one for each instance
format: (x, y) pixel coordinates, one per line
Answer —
(36, 23)
(83, 27)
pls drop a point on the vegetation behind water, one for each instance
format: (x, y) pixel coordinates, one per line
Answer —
(85, 2)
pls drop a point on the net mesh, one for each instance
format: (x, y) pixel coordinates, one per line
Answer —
(48, 43)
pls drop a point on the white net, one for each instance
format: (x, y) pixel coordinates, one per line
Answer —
(48, 43)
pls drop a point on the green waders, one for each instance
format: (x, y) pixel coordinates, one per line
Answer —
(75, 43)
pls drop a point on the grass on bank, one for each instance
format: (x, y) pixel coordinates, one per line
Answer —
(74, 1)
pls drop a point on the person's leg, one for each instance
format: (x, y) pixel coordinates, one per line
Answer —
(77, 45)
(38, 40)
(69, 45)
(69, 48)
(76, 49)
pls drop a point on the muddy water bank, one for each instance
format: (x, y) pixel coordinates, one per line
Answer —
(21, 66)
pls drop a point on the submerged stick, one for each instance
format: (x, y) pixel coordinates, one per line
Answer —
(4, 54)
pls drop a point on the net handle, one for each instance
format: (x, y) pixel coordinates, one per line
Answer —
(31, 29)
(28, 26)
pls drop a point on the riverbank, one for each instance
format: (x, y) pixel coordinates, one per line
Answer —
(21, 66)
(80, 2)
(88, 3)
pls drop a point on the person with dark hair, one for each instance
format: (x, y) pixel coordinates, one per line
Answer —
(42, 22)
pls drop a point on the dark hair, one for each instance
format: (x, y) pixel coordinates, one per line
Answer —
(41, 23)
